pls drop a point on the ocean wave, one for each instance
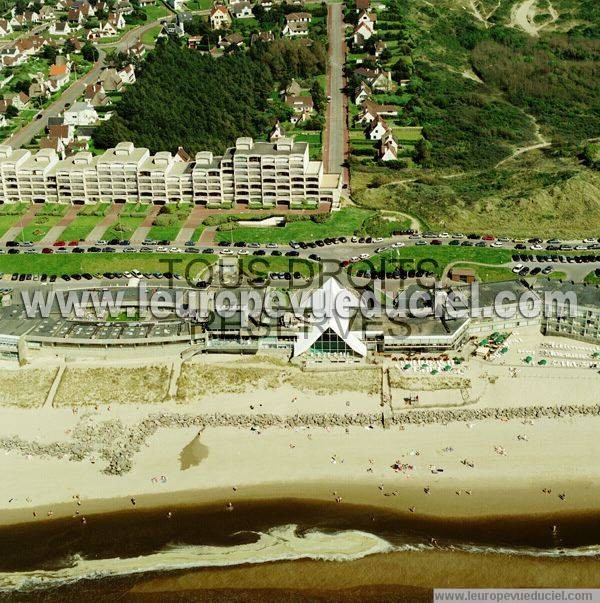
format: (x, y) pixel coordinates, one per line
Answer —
(281, 543)
(278, 544)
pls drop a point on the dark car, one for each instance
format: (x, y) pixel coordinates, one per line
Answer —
(13, 251)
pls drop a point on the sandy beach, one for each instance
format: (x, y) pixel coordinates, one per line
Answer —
(439, 467)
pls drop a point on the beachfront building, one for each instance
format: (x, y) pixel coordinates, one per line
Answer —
(251, 174)
(311, 326)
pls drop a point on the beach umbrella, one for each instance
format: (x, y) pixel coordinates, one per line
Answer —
(596, 355)
(543, 362)
(407, 366)
(447, 368)
(504, 350)
(434, 372)
(484, 342)
(528, 359)
(457, 361)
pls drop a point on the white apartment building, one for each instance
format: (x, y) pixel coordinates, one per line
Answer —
(253, 174)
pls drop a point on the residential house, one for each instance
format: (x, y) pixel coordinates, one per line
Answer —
(368, 18)
(388, 147)
(93, 35)
(18, 21)
(31, 45)
(301, 105)
(18, 99)
(117, 20)
(298, 18)
(95, 95)
(32, 17)
(262, 36)
(242, 10)
(110, 80)
(293, 88)
(276, 133)
(362, 93)
(220, 17)
(107, 30)
(59, 75)
(371, 110)
(80, 114)
(194, 42)
(235, 40)
(64, 132)
(175, 4)
(39, 88)
(60, 28)
(182, 156)
(54, 143)
(87, 10)
(47, 13)
(137, 50)
(172, 29)
(75, 17)
(127, 74)
(380, 46)
(377, 79)
(376, 129)
(295, 30)
(145, 3)
(362, 32)
(76, 44)
(124, 7)
(12, 56)
(5, 27)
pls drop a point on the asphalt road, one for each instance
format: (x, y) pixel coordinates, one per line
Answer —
(336, 119)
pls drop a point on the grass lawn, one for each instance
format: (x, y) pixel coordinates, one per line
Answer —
(129, 221)
(45, 219)
(168, 224)
(181, 263)
(156, 12)
(85, 221)
(592, 278)
(9, 215)
(104, 262)
(199, 5)
(434, 258)
(150, 35)
(490, 274)
(342, 223)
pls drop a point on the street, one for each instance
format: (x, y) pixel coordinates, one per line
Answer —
(336, 116)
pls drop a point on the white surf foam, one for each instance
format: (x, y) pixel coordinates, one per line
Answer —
(279, 544)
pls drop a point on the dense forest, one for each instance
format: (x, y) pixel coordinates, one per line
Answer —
(185, 98)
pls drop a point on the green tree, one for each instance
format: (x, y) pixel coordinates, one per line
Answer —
(89, 52)
(11, 111)
(318, 96)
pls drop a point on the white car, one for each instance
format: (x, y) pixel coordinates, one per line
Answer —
(102, 242)
(363, 256)
(536, 247)
(136, 273)
(398, 244)
(517, 268)
(460, 235)
(128, 274)
(580, 247)
(161, 250)
(354, 259)
(243, 252)
(498, 244)
(378, 240)
(589, 240)
(444, 235)
(175, 250)
(271, 245)
(226, 251)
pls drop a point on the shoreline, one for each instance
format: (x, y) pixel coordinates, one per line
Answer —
(497, 503)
